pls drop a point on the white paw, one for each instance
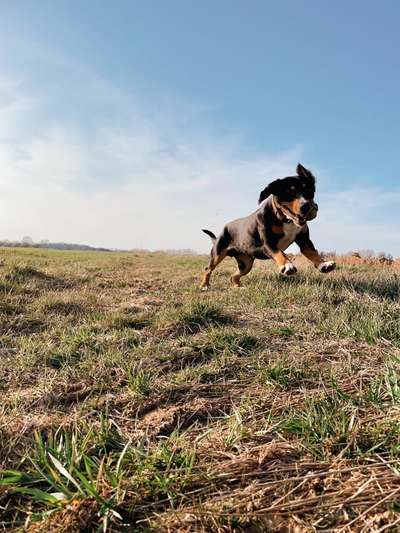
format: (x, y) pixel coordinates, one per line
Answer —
(205, 288)
(327, 266)
(288, 269)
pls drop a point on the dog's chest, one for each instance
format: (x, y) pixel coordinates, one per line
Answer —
(290, 232)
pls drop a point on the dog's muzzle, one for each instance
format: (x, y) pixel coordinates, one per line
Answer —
(298, 219)
(312, 213)
(308, 212)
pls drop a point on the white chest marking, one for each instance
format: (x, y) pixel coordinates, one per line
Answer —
(290, 232)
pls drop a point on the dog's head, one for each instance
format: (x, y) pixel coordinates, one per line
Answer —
(294, 196)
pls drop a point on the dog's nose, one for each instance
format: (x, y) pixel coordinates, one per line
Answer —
(305, 208)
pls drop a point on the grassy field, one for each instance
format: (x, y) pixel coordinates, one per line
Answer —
(131, 401)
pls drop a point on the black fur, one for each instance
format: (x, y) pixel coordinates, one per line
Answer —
(304, 173)
(210, 234)
(272, 188)
(223, 241)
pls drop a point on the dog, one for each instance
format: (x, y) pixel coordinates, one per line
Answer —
(286, 205)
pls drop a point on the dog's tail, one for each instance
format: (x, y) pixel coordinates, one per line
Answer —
(210, 234)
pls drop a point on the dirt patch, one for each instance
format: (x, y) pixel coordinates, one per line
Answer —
(164, 420)
(141, 303)
(258, 457)
(78, 516)
(68, 394)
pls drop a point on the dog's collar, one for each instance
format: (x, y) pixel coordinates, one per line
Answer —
(279, 213)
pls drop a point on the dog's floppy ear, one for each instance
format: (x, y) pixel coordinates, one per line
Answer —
(304, 173)
(272, 188)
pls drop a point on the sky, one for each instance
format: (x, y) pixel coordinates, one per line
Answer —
(134, 124)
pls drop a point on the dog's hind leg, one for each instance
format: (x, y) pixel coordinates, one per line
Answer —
(218, 253)
(245, 264)
(215, 260)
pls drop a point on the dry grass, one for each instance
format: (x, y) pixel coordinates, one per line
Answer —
(133, 402)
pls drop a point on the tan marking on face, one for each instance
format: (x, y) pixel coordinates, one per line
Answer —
(294, 206)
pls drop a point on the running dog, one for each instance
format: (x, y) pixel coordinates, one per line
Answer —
(286, 205)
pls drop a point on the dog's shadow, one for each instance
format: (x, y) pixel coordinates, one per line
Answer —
(383, 288)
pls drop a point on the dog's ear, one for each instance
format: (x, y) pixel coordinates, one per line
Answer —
(273, 188)
(304, 173)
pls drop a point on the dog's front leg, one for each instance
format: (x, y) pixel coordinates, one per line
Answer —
(285, 265)
(270, 249)
(308, 249)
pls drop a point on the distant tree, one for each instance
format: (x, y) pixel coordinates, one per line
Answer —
(368, 254)
(385, 258)
(28, 241)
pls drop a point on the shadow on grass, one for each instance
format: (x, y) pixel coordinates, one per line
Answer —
(384, 287)
(217, 342)
(199, 315)
(20, 325)
(65, 308)
(127, 320)
(23, 275)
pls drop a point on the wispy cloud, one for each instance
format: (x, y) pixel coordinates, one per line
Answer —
(144, 183)
(104, 167)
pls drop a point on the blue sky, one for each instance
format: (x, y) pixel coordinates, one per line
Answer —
(133, 123)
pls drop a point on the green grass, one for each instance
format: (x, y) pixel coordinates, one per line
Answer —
(287, 375)
(134, 402)
(192, 316)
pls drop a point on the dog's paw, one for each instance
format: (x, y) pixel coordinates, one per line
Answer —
(204, 288)
(327, 266)
(288, 269)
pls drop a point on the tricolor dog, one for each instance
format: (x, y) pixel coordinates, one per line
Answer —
(281, 219)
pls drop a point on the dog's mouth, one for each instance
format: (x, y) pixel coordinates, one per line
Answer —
(298, 219)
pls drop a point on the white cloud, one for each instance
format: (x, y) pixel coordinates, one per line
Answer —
(141, 184)
(125, 176)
